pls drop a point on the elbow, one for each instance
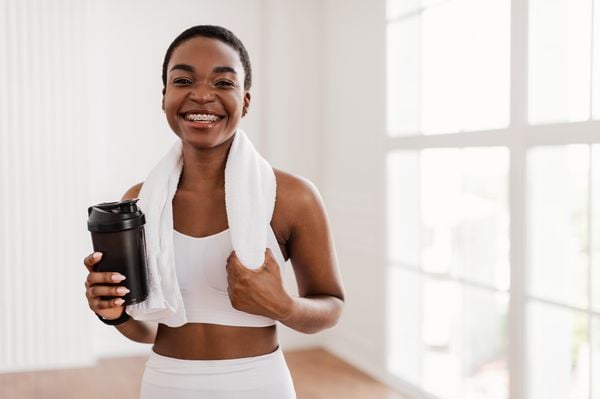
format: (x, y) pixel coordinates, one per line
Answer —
(338, 309)
(333, 318)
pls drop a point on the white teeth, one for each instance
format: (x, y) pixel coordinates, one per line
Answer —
(201, 117)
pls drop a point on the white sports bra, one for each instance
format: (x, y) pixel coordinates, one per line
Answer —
(200, 267)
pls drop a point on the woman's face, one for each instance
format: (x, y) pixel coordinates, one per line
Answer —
(204, 96)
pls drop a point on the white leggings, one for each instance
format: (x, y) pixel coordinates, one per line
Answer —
(260, 377)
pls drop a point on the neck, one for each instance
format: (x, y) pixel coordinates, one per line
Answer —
(204, 169)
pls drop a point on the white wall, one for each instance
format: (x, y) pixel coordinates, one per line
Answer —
(352, 133)
(42, 186)
(291, 84)
(290, 92)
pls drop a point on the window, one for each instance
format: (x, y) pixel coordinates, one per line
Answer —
(493, 192)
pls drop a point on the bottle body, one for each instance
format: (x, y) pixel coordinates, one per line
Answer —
(117, 230)
(124, 252)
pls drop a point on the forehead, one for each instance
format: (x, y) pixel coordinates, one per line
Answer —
(203, 52)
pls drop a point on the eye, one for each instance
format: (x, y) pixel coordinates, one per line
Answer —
(225, 83)
(182, 81)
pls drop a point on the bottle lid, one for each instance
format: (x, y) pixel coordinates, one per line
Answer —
(115, 216)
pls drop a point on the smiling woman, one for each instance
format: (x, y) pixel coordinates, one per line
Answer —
(219, 337)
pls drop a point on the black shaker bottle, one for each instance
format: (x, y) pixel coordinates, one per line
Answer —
(117, 230)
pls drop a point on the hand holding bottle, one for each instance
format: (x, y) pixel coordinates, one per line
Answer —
(103, 293)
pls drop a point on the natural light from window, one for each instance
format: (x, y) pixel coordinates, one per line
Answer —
(448, 247)
(493, 224)
(449, 65)
(559, 60)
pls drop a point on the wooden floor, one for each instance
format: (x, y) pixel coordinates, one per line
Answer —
(316, 373)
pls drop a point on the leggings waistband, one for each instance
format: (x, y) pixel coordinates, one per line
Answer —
(173, 365)
(258, 377)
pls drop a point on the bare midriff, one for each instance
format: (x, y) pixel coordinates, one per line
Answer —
(200, 341)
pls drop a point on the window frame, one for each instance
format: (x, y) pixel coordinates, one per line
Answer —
(518, 137)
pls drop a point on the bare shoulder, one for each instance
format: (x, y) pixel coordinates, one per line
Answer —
(296, 193)
(297, 199)
(133, 192)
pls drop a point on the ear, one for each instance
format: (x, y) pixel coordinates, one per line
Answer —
(162, 102)
(247, 98)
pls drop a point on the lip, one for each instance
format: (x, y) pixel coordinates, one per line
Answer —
(201, 124)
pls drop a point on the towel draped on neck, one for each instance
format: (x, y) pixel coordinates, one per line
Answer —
(250, 189)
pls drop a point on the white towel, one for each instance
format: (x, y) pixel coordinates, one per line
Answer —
(249, 201)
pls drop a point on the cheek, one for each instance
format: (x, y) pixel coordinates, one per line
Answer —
(171, 107)
(236, 104)
(169, 102)
(171, 114)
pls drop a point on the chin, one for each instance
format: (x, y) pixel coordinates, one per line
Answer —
(205, 141)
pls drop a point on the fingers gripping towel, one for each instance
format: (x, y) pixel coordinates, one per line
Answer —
(249, 201)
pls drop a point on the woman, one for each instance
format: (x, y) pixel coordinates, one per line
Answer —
(207, 78)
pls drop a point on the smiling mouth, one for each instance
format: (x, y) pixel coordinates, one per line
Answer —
(201, 117)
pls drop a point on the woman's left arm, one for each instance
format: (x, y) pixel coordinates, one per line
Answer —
(312, 253)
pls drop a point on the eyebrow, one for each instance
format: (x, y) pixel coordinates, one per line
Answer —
(217, 69)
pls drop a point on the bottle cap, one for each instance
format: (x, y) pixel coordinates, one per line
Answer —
(115, 216)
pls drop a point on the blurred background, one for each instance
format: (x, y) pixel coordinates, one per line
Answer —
(456, 144)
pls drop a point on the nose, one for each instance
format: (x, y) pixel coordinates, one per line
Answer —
(202, 93)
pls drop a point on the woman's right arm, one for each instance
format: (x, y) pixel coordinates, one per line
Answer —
(138, 331)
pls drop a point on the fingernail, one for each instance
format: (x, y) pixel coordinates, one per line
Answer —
(119, 301)
(96, 255)
(122, 290)
(117, 277)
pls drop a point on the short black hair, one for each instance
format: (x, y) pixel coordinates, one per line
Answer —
(213, 32)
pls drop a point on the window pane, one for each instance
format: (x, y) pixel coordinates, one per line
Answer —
(464, 214)
(465, 340)
(441, 192)
(559, 60)
(558, 223)
(404, 330)
(465, 66)
(448, 68)
(486, 337)
(403, 77)
(404, 224)
(442, 338)
(557, 353)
